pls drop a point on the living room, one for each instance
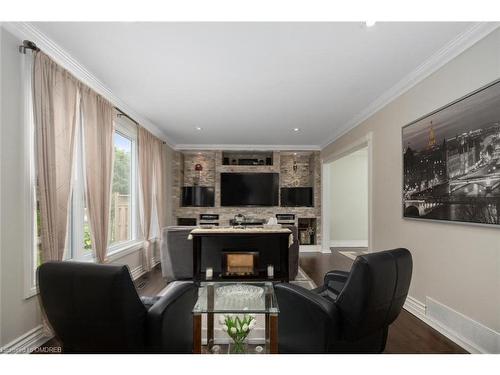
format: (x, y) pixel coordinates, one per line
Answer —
(250, 188)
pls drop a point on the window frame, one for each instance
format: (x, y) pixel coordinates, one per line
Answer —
(128, 130)
(74, 250)
(115, 251)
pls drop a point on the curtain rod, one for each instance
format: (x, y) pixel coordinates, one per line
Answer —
(28, 44)
(121, 113)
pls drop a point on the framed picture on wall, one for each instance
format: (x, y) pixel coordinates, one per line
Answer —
(451, 161)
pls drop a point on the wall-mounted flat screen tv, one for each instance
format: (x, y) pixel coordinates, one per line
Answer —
(249, 189)
(297, 197)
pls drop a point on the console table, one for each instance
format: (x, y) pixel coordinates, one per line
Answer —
(260, 240)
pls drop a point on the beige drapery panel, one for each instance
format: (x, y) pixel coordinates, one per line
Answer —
(153, 185)
(97, 117)
(147, 146)
(161, 183)
(55, 94)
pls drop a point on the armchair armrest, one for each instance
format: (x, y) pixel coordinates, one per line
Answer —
(307, 322)
(333, 282)
(170, 320)
(336, 275)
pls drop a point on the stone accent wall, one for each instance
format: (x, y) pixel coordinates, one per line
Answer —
(308, 174)
(205, 177)
(297, 169)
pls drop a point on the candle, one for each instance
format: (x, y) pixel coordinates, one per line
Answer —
(209, 273)
(270, 270)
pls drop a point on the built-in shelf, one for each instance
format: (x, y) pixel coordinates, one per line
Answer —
(247, 158)
(307, 231)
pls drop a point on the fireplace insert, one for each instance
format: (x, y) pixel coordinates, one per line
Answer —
(240, 263)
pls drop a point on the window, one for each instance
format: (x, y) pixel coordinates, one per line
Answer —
(123, 212)
(121, 191)
(124, 200)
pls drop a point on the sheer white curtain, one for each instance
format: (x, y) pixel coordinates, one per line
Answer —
(55, 93)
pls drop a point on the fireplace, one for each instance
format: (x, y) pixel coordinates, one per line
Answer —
(240, 263)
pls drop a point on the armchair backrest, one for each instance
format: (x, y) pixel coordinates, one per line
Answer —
(374, 293)
(92, 308)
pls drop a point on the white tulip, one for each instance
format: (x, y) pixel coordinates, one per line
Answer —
(233, 330)
(224, 328)
(244, 327)
(252, 324)
(222, 319)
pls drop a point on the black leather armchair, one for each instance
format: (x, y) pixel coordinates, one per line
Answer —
(351, 312)
(96, 309)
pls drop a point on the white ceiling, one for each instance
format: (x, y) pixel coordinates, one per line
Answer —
(251, 83)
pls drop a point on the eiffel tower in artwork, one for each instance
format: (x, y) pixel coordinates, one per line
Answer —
(431, 143)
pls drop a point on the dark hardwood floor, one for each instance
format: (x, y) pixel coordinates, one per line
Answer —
(407, 335)
(151, 283)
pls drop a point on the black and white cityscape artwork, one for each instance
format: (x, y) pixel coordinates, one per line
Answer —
(451, 161)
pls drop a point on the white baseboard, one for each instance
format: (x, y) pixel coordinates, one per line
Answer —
(462, 330)
(138, 271)
(349, 243)
(310, 249)
(28, 342)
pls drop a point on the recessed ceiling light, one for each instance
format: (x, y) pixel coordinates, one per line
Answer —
(296, 129)
(370, 23)
(198, 128)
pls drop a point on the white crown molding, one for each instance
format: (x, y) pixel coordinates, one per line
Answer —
(25, 30)
(237, 147)
(451, 50)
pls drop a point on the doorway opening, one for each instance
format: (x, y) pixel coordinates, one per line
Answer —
(347, 199)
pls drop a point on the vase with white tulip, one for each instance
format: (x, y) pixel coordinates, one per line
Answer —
(238, 328)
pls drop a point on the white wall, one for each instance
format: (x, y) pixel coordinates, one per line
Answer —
(19, 315)
(349, 199)
(457, 265)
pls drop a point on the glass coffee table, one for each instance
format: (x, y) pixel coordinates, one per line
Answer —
(235, 299)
